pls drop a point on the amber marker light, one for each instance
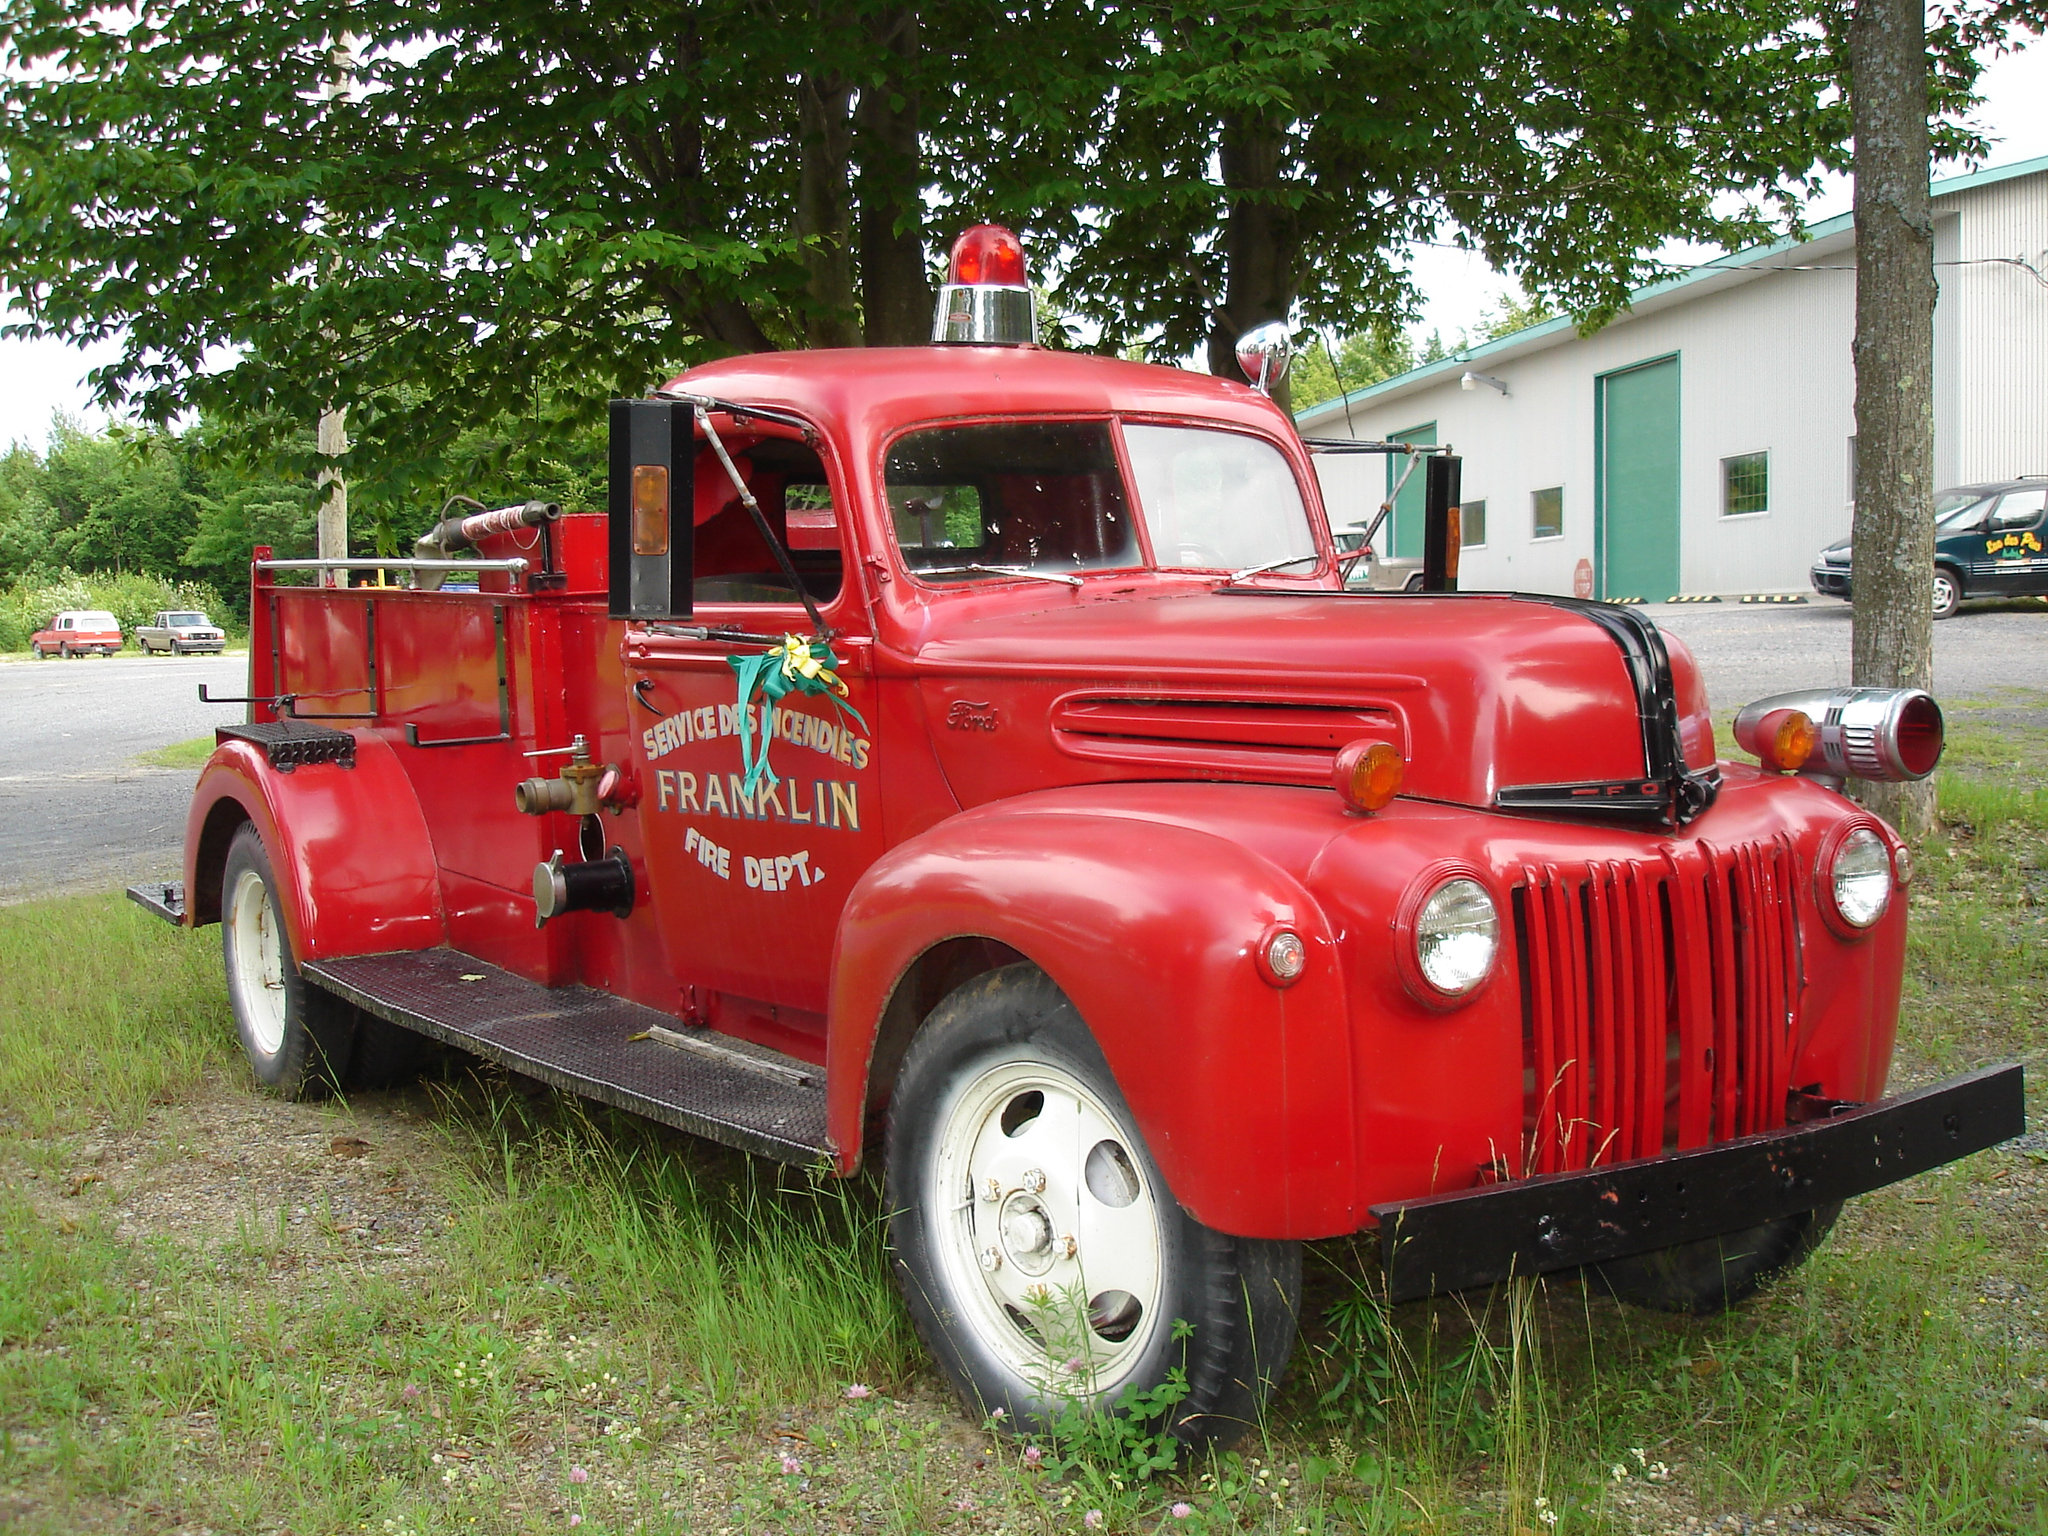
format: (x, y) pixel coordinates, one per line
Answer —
(1368, 775)
(650, 509)
(1785, 739)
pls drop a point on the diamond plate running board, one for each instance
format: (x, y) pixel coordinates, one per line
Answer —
(591, 1043)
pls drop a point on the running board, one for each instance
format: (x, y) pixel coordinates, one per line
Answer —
(596, 1045)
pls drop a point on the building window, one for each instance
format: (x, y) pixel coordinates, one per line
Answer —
(1471, 523)
(1745, 484)
(1548, 509)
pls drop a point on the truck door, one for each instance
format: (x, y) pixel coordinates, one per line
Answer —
(749, 876)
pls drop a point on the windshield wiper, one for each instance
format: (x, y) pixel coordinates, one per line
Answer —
(994, 570)
(1271, 565)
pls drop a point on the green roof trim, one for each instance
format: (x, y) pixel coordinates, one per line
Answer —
(1459, 362)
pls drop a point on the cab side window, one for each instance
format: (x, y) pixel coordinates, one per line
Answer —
(733, 563)
(2019, 509)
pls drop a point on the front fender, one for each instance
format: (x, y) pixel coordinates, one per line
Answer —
(349, 848)
(1148, 924)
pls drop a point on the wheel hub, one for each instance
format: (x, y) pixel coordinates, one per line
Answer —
(1027, 1234)
(1056, 1235)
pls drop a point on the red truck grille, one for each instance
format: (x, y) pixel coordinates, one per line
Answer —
(1657, 1002)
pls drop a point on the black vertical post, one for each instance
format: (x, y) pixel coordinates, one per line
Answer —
(1440, 534)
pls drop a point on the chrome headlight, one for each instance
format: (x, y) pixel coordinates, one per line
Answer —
(1860, 877)
(1457, 936)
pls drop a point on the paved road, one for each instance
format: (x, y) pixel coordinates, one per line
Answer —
(77, 811)
(1983, 656)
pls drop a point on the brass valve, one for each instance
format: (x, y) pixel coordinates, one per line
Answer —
(575, 789)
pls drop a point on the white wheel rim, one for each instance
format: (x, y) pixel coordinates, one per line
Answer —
(1045, 1269)
(258, 968)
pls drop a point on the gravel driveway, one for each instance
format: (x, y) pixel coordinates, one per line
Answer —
(77, 811)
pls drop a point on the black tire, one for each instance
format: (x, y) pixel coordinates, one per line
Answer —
(36, 650)
(302, 1041)
(1716, 1273)
(63, 650)
(1948, 592)
(1413, 583)
(967, 1085)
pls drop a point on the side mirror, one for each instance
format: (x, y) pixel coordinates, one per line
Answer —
(1263, 354)
(652, 527)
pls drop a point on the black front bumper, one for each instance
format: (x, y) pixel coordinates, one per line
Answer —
(1830, 581)
(1566, 1220)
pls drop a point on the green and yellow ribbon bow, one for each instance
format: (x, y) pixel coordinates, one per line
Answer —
(796, 665)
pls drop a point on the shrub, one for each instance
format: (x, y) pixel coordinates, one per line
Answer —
(30, 603)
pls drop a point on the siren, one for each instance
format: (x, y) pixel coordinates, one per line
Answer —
(986, 299)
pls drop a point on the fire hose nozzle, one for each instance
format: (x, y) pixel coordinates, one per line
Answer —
(537, 797)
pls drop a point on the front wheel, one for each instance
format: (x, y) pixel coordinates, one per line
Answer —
(36, 650)
(1948, 593)
(1715, 1273)
(1041, 1255)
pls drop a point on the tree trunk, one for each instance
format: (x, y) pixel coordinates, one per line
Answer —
(1258, 245)
(824, 209)
(1893, 551)
(896, 295)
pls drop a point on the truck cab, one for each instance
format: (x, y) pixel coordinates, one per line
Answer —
(970, 758)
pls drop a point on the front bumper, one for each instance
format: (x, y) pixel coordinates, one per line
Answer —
(1830, 580)
(1567, 1220)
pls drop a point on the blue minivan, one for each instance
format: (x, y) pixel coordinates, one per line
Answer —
(1988, 542)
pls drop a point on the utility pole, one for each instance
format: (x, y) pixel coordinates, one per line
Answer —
(332, 438)
(1893, 547)
(333, 539)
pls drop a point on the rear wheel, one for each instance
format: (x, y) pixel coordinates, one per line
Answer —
(301, 1041)
(1948, 592)
(1716, 1273)
(64, 650)
(1042, 1256)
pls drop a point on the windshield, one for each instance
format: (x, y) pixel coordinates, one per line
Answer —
(1957, 510)
(174, 619)
(1012, 496)
(1218, 500)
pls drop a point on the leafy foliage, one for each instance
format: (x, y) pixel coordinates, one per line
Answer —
(443, 214)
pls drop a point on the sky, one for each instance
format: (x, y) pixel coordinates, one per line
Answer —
(40, 378)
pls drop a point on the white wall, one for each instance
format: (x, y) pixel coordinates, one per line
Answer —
(1999, 314)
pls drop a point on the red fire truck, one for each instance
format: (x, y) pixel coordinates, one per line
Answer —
(970, 757)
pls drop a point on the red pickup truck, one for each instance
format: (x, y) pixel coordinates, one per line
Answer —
(78, 632)
(970, 757)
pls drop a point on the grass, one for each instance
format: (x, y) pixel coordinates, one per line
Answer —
(588, 1317)
(180, 754)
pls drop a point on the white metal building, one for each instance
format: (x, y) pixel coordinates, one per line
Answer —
(1704, 441)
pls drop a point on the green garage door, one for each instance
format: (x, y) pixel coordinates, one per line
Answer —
(1638, 534)
(1405, 538)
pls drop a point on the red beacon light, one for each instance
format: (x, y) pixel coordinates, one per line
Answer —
(986, 299)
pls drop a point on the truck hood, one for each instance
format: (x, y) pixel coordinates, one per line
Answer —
(1479, 692)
